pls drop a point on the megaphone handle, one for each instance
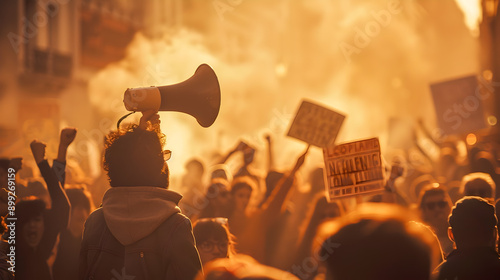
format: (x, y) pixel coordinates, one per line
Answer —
(121, 119)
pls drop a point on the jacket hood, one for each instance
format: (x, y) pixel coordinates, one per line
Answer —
(132, 213)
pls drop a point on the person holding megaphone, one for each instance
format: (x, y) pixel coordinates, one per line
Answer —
(139, 231)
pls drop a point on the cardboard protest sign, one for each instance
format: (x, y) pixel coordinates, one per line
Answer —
(458, 105)
(316, 125)
(354, 168)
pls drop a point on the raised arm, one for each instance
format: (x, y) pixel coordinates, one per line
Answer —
(422, 150)
(426, 131)
(57, 217)
(391, 194)
(59, 164)
(275, 201)
(241, 145)
(270, 158)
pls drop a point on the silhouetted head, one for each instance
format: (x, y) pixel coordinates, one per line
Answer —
(483, 161)
(134, 157)
(418, 184)
(241, 191)
(221, 171)
(473, 223)
(478, 184)
(377, 242)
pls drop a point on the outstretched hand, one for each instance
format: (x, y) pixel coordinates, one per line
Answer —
(38, 150)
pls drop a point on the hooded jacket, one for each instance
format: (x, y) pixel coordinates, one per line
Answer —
(138, 233)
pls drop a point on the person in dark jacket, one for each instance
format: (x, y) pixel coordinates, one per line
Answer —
(139, 232)
(473, 229)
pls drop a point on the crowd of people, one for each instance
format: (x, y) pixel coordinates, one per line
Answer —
(430, 223)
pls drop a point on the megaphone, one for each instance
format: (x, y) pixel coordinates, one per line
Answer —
(198, 96)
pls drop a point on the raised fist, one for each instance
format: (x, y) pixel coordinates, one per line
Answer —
(67, 136)
(38, 150)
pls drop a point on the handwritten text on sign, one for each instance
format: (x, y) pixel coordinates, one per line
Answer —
(316, 125)
(354, 168)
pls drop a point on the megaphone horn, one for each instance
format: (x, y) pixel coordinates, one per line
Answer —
(198, 96)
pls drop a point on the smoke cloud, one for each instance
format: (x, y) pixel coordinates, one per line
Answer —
(371, 60)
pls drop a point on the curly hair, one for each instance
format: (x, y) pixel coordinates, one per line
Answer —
(134, 157)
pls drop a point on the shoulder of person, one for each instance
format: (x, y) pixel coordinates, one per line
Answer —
(174, 231)
(96, 217)
(177, 221)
